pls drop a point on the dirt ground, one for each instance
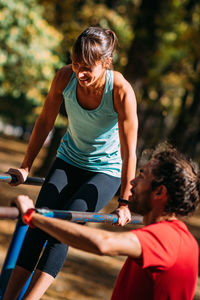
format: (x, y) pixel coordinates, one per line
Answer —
(84, 276)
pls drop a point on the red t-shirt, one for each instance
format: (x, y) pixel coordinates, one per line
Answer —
(168, 269)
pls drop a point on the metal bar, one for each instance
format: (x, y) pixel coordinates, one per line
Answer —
(30, 180)
(9, 212)
(20, 232)
(76, 216)
(34, 181)
(73, 216)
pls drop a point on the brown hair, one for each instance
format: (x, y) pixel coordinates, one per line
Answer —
(94, 44)
(181, 177)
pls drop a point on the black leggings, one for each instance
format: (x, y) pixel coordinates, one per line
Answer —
(67, 188)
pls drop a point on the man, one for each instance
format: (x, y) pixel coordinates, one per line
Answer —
(163, 256)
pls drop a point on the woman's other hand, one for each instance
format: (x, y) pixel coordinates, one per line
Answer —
(21, 175)
(124, 215)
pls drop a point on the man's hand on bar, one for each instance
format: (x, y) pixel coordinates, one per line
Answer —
(23, 202)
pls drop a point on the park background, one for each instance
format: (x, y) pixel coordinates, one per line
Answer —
(158, 53)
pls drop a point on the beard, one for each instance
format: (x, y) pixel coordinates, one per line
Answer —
(140, 204)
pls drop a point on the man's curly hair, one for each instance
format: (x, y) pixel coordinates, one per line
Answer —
(180, 176)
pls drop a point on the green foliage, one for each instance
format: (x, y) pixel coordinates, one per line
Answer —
(168, 88)
(178, 53)
(92, 13)
(28, 57)
(158, 52)
(72, 17)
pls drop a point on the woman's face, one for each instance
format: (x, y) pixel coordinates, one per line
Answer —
(88, 75)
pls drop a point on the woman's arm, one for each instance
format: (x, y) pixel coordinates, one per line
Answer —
(44, 122)
(126, 107)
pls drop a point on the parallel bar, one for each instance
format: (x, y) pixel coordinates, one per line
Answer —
(34, 181)
(9, 212)
(76, 216)
(20, 232)
(73, 216)
(30, 180)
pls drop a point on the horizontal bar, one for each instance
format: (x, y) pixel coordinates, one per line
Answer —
(8, 178)
(73, 216)
(9, 212)
(77, 216)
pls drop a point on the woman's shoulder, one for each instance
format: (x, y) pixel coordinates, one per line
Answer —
(65, 72)
(63, 76)
(119, 81)
(124, 96)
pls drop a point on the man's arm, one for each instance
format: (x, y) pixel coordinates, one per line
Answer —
(97, 241)
(93, 240)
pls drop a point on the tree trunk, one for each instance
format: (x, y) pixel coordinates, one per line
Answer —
(145, 41)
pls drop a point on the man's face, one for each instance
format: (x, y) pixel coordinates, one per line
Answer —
(140, 200)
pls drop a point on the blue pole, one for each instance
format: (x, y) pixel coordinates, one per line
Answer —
(12, 255)
(17, 240)
(11, 259)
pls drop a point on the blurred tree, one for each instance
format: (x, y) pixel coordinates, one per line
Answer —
(177, 67)
(72, 17)
(163, 65)
(146, 22)
(188, 70)
(145, 41)
(158, 53)
(28, 59)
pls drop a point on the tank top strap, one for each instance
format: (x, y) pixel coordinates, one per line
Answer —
(109, 81)
(108, 91)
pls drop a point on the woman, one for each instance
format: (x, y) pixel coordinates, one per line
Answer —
(89, 167)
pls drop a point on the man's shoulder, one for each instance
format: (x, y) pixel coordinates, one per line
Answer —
(165, 224)
(163, 230)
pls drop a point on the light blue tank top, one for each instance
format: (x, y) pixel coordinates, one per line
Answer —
(92, 138)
